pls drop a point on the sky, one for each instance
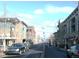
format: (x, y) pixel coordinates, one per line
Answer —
(43, 15)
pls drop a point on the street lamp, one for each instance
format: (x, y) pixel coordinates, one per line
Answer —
(4, 40)
(43, 41)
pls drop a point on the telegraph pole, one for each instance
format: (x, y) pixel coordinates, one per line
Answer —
(4, 16)
(43, 42)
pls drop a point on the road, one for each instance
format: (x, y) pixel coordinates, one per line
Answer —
(37, 52)
(53, 52)
(28, 54)
(39, 47)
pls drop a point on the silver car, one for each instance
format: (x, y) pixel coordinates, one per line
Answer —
(17, 48)
(74, 50)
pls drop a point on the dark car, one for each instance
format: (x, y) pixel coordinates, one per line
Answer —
(16, 48)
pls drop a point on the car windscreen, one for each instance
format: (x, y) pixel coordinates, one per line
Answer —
(77, 47)
(16, 45)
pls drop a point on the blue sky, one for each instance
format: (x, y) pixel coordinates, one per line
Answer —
(44, 15)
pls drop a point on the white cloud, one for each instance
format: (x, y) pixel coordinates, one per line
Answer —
(25, 16)
(55, 9)
(38, 11)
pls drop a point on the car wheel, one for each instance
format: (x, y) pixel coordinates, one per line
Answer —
(20, 52)
(24, 50)
(72, 55)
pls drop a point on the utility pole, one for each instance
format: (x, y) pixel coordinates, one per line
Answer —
(43, 42)
(4, 15)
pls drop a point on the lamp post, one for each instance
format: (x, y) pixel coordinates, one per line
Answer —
(4, 40)
(43, 42)
(65, 44)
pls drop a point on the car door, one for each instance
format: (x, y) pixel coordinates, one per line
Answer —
(73, 49)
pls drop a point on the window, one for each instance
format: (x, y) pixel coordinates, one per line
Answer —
(73, 28)
(1, 42)
(27, 30)
(73, 20)
(73, 25)
(78, 25)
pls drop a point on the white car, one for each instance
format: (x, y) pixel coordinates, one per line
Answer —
(74, 50)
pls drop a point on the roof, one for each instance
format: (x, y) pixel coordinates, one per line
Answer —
(24, 23)
(9, 19)
(71, 14)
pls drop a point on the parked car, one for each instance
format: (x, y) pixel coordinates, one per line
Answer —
(16, 48)
(74, 50)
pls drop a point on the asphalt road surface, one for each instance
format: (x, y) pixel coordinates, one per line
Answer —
(38, 50)
(53, 52)
(29, 54)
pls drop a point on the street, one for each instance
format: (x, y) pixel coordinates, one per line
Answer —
(30, 53)
(37, 52)
(39, 29)
(53, 52)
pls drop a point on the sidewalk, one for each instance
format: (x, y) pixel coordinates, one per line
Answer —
(1, 54)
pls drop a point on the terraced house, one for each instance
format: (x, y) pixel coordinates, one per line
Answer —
(31, 34)
(12, 30)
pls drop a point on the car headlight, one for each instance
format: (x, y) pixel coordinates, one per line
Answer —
(6, 49)
(17, 49)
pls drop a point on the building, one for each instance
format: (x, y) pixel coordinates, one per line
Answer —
(68, 30)
(7, 26)
(20, 32)
(12, 30)
(31, 34)
(56, 39)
